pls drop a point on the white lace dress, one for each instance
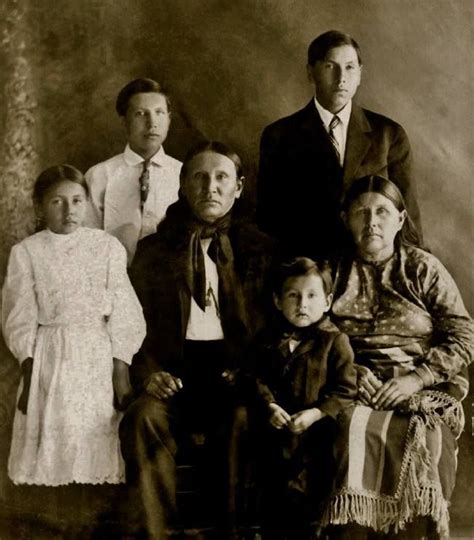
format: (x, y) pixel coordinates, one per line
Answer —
(68, 303)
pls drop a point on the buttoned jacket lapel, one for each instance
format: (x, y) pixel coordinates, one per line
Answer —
(358, 143)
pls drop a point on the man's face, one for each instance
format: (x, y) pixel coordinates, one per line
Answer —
(336, 78)
(147, 122)
(211, 185)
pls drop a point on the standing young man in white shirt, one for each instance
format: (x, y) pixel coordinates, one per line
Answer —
(130, 192)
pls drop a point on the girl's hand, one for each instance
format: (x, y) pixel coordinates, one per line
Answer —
(279, 418)
(121, 384)
(367, 385)
(302, 420)
(26, 370)
(396, 390)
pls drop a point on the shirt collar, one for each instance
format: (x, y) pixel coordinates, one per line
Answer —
(326, 116)
(132, 158)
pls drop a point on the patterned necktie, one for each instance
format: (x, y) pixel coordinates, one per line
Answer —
(144, 182)
(332, 126)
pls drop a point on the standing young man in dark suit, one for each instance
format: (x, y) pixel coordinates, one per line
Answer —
(308, 159)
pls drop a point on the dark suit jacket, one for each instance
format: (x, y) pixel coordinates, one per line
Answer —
(301, 183)
(158, 276)
(319, 373)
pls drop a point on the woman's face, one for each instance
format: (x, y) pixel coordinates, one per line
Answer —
(63, 207)
(374, 222)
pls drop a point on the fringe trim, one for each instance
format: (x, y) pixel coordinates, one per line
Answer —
(435, 407)
(381, 513)
(415, 496)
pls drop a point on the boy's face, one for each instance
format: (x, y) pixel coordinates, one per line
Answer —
(147, 122)
(303, 300)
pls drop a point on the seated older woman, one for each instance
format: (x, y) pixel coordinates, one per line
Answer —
(413, 338)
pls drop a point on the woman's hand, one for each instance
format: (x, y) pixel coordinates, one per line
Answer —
(26, 371)
(367, 385)
(396, 390)
(279, 418)
(302, 420)
(121, 384)
(162, 385)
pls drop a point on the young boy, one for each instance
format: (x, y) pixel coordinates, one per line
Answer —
(304, 375)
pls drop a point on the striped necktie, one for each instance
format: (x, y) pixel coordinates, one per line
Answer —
(332, 126)
(144, 182)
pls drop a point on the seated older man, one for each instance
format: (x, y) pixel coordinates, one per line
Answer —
(200, 280)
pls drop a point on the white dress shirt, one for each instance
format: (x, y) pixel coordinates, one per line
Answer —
(115, 195)
(340, 132)
(206, 325)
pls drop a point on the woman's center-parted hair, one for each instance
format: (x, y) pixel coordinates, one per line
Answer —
(301, 266)
(211, 146)
(381, 185)
(54, 175)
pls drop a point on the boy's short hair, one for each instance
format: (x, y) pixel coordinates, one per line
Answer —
(302, 266)
(138, 86)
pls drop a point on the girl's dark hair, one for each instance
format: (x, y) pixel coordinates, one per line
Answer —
(378, 184)
(211, 146)
(138, 86)
(302, 266)
(54, 175)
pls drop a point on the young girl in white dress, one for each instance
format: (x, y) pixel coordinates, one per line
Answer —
(71, 318)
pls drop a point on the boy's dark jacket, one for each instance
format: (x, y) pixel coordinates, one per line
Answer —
(158, 276)
(319, 373)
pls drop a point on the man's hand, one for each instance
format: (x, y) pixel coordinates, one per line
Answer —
(230, 376)
(396, 390)
(367, 385)
(121, 384)
(279, 418)
(302, 420)
(162, 385)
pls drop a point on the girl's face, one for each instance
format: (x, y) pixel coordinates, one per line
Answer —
(64, 207)
(303, 300)
(374, 222)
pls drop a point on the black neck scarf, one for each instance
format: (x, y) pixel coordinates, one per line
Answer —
(231, 301)
(220, 252)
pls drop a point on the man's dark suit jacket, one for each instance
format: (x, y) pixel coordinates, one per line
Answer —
(301, 183)
(158, 276)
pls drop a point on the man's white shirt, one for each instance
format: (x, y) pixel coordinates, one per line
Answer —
(115, 204)
(206, 325)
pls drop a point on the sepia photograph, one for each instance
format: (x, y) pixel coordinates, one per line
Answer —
(236, 270)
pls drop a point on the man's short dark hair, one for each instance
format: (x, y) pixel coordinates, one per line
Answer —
(302, 266)
(138, 86)
(320, 46)
(216, 147)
